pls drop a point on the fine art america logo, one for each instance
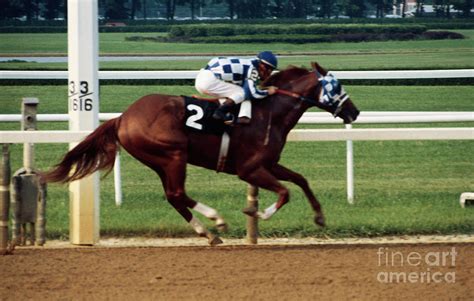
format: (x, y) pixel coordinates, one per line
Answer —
(416, 267)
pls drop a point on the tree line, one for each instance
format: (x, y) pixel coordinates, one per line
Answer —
(231, 9)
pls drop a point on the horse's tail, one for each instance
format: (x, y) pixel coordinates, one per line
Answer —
(96, 152)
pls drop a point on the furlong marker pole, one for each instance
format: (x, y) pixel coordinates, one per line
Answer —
(83, 86)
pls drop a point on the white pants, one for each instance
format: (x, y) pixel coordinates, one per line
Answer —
(208, 83)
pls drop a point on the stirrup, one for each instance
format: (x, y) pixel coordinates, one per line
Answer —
(229, 119)
(219, 115)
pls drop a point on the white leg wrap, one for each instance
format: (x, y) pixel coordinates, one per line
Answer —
(246, 109)
(198, 226)
(209, 212)
(206, 211)
(268, 212)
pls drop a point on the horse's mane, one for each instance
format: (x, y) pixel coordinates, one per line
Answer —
(285, 76)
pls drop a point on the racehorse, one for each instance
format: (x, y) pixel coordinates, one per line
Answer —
(153, 131)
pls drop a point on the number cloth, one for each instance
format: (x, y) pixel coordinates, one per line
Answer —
(198, 117)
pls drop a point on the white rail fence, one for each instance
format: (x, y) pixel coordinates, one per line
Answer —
(388, 74)
(309, 117)
(348, 134)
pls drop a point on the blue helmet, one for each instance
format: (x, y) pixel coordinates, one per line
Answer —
(268, 58)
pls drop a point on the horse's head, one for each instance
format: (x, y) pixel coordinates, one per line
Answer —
(317, 88)
(332, 97)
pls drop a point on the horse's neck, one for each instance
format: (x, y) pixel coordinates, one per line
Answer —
(286, 112)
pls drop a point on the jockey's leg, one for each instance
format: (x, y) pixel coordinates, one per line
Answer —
(204, 82)
(285, 174)
(245, 112)
(261, 177)
(207, 83)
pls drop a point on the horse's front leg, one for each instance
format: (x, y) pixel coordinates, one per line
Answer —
(285, 174)
(261, 177)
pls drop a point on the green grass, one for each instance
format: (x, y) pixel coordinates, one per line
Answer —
(373, 61)
(402, 187)
(350, 56)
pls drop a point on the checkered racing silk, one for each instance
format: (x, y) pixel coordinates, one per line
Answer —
(242, 72)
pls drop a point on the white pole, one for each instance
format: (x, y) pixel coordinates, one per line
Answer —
(83, 86)
(117, 181)
(350, 168)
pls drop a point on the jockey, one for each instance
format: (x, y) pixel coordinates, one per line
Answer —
(236, 80)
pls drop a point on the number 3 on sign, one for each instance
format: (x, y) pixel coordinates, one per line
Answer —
(192, 120)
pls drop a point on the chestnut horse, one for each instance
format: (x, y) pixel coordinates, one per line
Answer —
(153, 131)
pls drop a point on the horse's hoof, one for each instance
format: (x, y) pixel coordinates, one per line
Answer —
(319, 220)
(250, 211)
(215, 240)
(222, 227)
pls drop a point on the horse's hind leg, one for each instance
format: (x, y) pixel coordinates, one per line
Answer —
(208, 212)
(285, 174)
(173, 178)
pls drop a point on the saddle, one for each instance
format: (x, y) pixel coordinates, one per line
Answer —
(198, 116)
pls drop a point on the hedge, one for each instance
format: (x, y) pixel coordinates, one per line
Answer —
(304, 38)
(206, 30)
(453, 23)
(237, 27)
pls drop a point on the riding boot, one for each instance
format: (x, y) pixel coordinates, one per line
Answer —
(222, 112)
(243, 120)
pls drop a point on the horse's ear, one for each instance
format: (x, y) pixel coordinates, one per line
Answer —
(318, 68)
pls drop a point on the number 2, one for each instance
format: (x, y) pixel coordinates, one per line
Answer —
(192, 120)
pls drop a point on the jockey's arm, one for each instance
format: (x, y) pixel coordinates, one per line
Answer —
(253, 92)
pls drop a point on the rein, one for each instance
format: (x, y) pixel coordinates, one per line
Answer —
(288, 93)
(299, 96)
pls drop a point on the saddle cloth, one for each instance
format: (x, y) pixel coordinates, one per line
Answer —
(198, 117)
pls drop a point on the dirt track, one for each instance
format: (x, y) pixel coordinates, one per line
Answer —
(314, 272)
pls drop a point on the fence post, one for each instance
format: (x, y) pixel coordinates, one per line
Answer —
(28, 196)
(252, 222)
(29, 109)
(5, 172)
(117, 180)
(350, 168)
